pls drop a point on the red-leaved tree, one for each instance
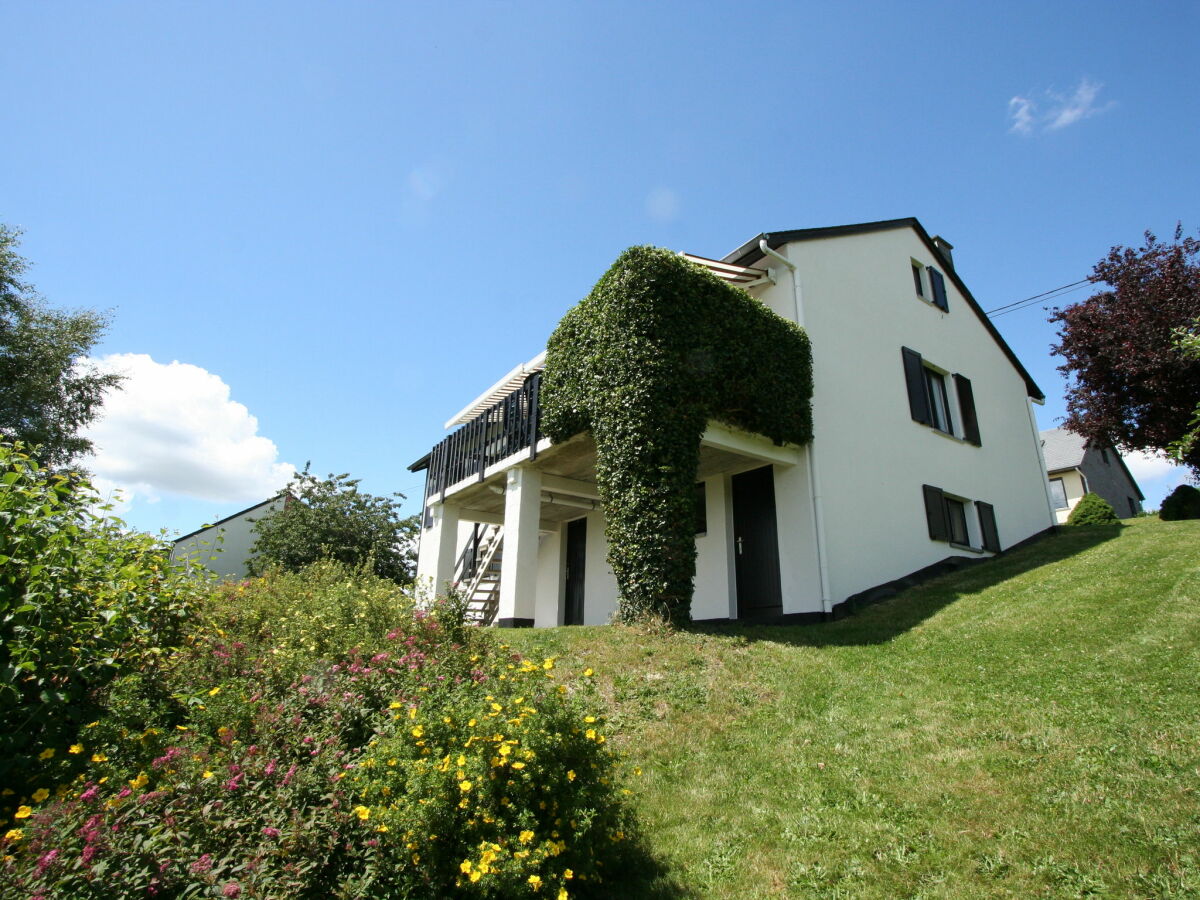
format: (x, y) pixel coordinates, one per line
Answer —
(1128, 382)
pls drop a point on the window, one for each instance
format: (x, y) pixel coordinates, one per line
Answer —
(1104, 455)
(918, 281)
(956, 514)
(1133, 510)
(939, 405)
(1058, 492)
(947, 519)
(929, 399)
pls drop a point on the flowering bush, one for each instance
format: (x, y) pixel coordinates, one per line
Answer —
(433, 764)
(82, 600)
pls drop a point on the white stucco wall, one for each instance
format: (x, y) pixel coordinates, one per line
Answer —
(860, 307)
(225, 547)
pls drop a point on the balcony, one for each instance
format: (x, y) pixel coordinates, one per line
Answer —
(501, 431)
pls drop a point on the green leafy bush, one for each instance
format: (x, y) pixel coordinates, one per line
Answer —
(1092, 509)
(82, 600)
(1181, 503)
(659, 347)
(431, 762)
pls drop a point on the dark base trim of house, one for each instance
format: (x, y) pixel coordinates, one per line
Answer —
(514, 623)
(881, 592)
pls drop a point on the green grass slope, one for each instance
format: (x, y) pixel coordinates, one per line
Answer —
(1026, 728)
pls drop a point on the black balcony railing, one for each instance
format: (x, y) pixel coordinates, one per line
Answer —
(500, 431)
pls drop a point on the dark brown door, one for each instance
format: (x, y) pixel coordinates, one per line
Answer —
(576, 557)
(756, 544)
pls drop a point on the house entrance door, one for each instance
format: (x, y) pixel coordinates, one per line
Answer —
(756, 544)
(576, 557)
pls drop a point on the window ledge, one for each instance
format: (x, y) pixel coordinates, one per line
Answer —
(946, 434)
(929, 302)
(978, 551)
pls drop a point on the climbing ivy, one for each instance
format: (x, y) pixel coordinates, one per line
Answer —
(657, 349)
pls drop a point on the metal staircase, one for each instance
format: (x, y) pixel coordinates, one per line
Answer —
(479, 573)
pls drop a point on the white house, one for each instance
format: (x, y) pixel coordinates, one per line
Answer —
(925, 448)
(224, 546)
(1075, 468)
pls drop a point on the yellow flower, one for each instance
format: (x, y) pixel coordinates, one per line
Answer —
(518, 765)
(589, 718)
(14, 834)
(474, 876)
(525, 836)
(535, 881)
(570, 774)
(588, 673)
(23, 812)
(395, 704)
(465, 866)
(562, 893)
(464, 785)
(412, 712)
(92, 724)
(75, 748)
(208, 773)
(184, 728)
(47, 753)
(568, 874)
(139, 782)
(99, 757)
(215, 691)
(362, 812)
(548, 664)
(591, 734)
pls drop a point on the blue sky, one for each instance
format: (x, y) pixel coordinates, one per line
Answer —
(323, 228)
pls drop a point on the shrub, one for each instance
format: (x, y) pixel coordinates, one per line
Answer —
(82, 600)
(418, 766)
(1182, 503)
(1092, 509)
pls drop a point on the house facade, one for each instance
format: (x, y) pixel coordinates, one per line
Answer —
(1075, 468)
(224, 546)
(925, 447)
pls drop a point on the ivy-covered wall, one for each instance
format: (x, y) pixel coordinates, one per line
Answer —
(659, 347)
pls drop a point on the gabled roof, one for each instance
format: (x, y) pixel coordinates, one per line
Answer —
(229, 518)
(1062, 449)
(750, 253)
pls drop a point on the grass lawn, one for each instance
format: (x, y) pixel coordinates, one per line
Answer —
(1025, 728)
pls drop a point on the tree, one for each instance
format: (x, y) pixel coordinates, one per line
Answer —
(332, 519)
(1183, 503)
(1129, 382)
(46, 395)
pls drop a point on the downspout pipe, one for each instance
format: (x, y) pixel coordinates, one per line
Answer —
(814, 482)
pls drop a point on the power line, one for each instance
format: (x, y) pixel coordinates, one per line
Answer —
(1012, 307)
(1031, 303)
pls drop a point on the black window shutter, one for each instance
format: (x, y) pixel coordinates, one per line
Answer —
(987, 524)
(914, 377)
(966, 403)
(939, 289)
(935, 513)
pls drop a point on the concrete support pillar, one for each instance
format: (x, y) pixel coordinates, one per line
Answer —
(439, 548)
(518, 568)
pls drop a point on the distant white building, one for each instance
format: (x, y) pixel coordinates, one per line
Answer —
(1074, 468)
(224, 547)
(925, 452)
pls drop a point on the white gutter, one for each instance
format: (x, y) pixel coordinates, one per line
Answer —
(814, 480)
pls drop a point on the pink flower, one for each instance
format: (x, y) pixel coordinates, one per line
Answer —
(202, 865)
(233, 889)
(271, 832)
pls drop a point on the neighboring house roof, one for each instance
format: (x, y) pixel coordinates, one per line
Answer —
(750, 252)
(235, 515)
(1064, 450)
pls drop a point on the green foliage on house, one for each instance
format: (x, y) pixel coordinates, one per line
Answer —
(657, 349)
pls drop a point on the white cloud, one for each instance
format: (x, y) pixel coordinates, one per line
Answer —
(662, 204)
(1055, 111)
(1148, 466)
(173, 429)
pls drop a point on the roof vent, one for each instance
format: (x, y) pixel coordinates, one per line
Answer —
(944, 248)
